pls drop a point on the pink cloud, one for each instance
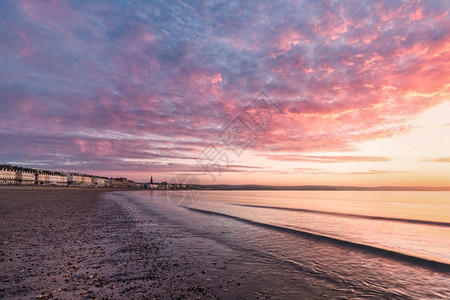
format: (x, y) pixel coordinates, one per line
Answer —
(325, 158)
(110, 80)
(439, 160)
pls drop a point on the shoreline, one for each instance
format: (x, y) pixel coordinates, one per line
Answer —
(59, 188)
(437, 265)
(261, 188)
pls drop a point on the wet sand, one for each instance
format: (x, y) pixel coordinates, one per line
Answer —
(71, 243)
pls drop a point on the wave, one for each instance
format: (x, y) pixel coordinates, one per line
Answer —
(436, 223)
(425, 262)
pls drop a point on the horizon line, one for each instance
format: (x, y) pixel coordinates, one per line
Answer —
(324, 187)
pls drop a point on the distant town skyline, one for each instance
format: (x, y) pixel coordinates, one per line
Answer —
(229, 92)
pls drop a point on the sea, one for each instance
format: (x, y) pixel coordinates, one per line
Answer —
(365, 244)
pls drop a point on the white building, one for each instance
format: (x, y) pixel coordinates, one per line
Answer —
(58, 179)
(74, 179)
(43, 178)
(28, 176)
(7, 175)
(87, 181)
(53, 178)
(62, 179)
(102, 182)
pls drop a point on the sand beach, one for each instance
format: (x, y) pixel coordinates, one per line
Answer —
(69, 243)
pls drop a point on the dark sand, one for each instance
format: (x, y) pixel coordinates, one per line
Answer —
(71, 243)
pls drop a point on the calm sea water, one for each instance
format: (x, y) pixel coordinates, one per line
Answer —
(412, 223)
(377, 244)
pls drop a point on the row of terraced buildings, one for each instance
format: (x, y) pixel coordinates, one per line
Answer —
(13, 175)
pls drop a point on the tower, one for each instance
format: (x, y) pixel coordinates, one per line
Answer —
(151, 180)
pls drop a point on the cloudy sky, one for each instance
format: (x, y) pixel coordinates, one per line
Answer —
(272, 92)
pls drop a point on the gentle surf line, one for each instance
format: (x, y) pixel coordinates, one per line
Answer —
(436, 223)
(437, 265)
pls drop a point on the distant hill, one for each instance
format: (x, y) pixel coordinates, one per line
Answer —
(321, 188)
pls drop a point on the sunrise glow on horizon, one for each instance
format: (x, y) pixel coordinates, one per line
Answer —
(234, 92)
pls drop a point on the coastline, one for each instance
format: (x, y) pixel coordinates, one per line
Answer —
(60, 188)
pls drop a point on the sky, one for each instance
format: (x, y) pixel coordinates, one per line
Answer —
(229, 92)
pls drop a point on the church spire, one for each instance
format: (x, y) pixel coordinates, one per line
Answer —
(151, 180)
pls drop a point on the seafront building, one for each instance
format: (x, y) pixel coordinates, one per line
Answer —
(44, 177)
(7, 175)
(101, 181)
(87, 181)
(28, 176)
(13, 175)
(74, 179)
